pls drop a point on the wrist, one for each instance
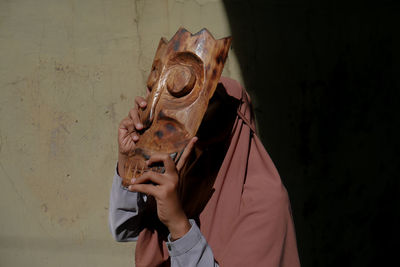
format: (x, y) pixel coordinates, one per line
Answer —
(179, 228)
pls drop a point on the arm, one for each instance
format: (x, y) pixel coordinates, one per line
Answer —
(123, 210)
(191, 249)
(186, 245)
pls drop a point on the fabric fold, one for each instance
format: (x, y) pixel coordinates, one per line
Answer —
(247, 220)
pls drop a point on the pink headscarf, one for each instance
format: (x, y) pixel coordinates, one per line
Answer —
(246, 219)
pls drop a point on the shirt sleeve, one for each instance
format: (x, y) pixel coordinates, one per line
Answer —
(191, 249)
(123, 211)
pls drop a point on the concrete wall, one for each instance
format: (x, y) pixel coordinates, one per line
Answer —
(69, 71)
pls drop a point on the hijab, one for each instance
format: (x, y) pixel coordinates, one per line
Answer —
(233, 191)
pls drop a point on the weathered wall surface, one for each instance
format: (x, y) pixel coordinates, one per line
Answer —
(69, 71)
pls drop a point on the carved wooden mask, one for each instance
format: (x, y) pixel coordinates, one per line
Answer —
(184, 75)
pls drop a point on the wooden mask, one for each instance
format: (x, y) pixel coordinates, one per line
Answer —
(184, 76)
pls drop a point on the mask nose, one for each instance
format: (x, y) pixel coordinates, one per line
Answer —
(147, 115)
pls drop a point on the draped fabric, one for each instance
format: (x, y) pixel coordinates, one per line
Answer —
(243, 210)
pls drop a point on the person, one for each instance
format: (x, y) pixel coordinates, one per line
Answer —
(222, 204)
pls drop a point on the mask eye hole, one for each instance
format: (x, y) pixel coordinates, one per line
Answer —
(181, 80)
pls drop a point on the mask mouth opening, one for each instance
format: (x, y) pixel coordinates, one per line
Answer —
(137, 165)
(134, 168)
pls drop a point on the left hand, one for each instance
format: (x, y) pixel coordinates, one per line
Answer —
(163, 187)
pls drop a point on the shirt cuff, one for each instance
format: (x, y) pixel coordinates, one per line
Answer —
(186, 242)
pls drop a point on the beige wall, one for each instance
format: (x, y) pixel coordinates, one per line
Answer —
(69, 71)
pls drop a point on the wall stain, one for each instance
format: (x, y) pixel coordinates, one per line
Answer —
(62, 221)
(110, 112)
(123, 97)
(44, 207)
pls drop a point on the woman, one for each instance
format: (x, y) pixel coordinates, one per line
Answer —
(223, 204)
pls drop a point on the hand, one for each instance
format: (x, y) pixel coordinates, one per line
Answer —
(127, 136)
(163, 187)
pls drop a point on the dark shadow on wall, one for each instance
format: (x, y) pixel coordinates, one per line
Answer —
(324, 79)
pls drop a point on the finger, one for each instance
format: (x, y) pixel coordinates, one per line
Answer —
(185, 154)
(126, 128)
(140, 101)
(147, 189)
(134, 136)
(149, 177)
(133, 114)
(127, 124)
(127, 142)
(169, 164)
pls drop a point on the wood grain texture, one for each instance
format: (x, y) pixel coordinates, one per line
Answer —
(184, 76)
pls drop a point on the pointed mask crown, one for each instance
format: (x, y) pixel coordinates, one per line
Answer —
(201, 50)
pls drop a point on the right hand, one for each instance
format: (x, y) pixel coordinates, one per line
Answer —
(164, 188)
(127, 133)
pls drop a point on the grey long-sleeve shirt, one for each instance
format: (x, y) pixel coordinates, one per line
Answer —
(190, 250)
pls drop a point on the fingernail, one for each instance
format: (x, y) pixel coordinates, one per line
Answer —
(135, 137)
(143, 103)
(139, 126)
(133, 180)
(130, 188)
